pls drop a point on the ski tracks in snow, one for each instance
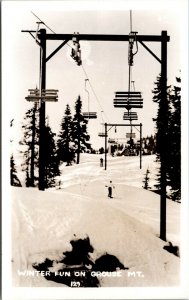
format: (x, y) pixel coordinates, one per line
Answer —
(22, 232)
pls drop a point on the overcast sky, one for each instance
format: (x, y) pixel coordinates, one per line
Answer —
(106, 63)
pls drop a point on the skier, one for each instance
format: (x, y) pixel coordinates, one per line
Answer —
(110, 187)
(59, 184)
(101, 162)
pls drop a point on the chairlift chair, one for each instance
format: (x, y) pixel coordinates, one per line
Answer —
(130, 116)
(102, 134)
(112, 141)
(128, 100)
(90, 115)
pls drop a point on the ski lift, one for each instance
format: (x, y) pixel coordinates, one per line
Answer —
(102, 134)
(128, 100)
(130, 116)
(130, 135)
(49, 95)
(76, 50)
(89, 115)
(132, 40)
(112, 141)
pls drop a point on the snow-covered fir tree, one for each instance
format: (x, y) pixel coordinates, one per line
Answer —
(65, 143)
(80, 135)
(174, 159)
(146, 180)
(163, 113)
(30, 144)
(13, 173)
(172, 131)
(50, 158)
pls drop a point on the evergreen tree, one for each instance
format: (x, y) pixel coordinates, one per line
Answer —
(162, 137)
(28, 178)
(172, 144)
(66, 151)
(146, 180)
(174, 159)
(30, 143)
(80, 135)
(50, 158)
(101, 150)
(151, 144)
(13, 173)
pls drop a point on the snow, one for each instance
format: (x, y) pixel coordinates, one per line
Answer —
(127, 226)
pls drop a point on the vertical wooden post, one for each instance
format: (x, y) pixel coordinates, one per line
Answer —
(163, 135)
(42, 112)
(140, 145)
(33, 145)
(79, 140)
(105, 164)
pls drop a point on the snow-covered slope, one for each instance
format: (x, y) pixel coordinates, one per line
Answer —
(44, 224)
(127, 226)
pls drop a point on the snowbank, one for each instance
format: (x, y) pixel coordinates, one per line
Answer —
(44, 223)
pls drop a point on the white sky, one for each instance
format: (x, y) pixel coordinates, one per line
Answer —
(106, 63)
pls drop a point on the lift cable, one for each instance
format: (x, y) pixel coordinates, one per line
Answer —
(130, 54)
(102, 117)
(132, 81)
(87, 95)
(47, 26)
(41, 22)
(96, 97)
(132, 40)
(131, 20)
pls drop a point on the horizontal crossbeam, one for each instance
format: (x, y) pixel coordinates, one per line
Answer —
(124, 124)
(102, 37)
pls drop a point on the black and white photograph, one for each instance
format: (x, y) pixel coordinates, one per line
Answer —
(95, 150)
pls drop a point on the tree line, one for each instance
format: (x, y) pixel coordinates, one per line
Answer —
(171, 144)
(73, 139)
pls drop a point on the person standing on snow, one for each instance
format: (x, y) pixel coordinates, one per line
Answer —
(101, 162)
(110, 187)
